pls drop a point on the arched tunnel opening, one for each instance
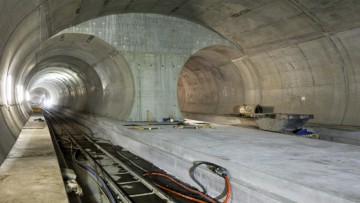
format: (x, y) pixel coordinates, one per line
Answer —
(210, 83)
(84, 74)
(39, 97)
(122, 68)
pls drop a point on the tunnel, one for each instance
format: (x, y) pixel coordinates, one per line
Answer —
(136, 60)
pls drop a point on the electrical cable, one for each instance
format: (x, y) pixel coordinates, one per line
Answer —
(133, 163)
(181, 185)
(81, 131)
(97, 183)
(221, 171)
(228, 189)
(179, 194)
(192, 175)
(101, 181)
(101, 184)
(105, 140)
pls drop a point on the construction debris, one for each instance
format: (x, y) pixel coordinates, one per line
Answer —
(307, 134)
(143, 127)
(278, 122)
(192, 125)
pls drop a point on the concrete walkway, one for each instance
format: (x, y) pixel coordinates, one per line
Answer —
(31, 171)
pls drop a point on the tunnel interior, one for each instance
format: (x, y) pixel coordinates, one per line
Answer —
(195, 57)
(91, 78)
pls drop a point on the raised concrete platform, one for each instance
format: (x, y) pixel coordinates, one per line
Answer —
(264, 166)
(31, 171)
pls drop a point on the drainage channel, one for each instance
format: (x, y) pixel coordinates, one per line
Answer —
(121, 175)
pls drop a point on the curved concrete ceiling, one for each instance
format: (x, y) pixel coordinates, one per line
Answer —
(297, 56)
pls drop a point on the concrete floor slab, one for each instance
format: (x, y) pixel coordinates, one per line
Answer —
(282, 167)
(31, 171)
(317, 165)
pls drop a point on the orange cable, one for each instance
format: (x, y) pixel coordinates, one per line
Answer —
(182, 185)
(228, 189)
(179, 194)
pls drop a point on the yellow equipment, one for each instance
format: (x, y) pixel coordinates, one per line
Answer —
(36, 110)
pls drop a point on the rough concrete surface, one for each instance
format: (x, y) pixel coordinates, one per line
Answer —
(262, 164)
(31, 171)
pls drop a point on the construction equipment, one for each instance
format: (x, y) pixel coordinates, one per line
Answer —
(278, 122)
(247, 110)
(36, 110)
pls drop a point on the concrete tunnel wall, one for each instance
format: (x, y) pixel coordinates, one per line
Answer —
(299, 56)
(156, 48)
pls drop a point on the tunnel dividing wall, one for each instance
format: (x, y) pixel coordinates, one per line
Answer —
(156, 48)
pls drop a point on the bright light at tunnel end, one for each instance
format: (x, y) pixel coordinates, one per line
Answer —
(48, 103)
(27, 96)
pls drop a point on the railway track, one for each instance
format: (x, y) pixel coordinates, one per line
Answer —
(121, 175)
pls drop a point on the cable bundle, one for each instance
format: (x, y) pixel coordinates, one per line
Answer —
(213, 167)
